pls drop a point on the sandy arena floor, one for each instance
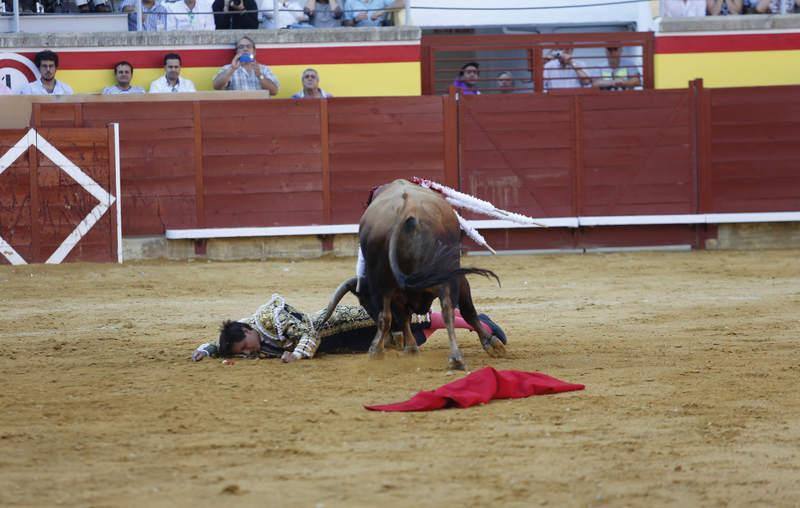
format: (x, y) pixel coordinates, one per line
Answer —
(691, 362)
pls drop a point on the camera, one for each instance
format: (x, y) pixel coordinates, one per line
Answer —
(245, 58)
(235, 3)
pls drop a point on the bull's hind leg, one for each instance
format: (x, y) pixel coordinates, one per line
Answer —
(384, 329)
(409, 342)
(491, 344)
(456, 359)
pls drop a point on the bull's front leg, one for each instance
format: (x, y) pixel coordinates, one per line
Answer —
(456, 359)
(384, 328)
(491, 344)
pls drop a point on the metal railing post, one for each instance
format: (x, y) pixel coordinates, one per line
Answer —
(16, 16)
(139, 20)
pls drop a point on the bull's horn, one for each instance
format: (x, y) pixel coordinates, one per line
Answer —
(346, 287)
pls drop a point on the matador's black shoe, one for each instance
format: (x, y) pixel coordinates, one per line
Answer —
(496, 330)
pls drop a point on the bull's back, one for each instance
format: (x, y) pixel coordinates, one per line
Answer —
(396, 202)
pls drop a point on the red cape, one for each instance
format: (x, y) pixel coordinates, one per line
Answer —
(480, 387)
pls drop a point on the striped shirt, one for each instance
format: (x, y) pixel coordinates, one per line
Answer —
(154, 19)
(242, 79)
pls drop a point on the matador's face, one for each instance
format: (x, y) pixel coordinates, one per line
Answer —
(250, 345)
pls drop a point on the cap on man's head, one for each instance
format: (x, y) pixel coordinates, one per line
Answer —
(469, 64)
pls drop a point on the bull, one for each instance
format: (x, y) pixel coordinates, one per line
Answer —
(411, 243)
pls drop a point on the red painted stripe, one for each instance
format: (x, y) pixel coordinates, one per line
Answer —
(727, 43)
(143, 58)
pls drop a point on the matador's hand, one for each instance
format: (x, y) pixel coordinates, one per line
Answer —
(289, 357)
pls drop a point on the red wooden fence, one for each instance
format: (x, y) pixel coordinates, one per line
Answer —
(233, 163)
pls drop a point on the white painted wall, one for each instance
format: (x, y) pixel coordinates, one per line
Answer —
(578, 12)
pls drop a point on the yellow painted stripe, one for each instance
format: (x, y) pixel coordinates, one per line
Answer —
(342, 80)
(751, 68)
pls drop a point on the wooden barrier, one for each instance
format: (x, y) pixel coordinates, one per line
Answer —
(189, 164)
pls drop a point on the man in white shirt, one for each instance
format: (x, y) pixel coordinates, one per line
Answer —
(190, 15)
(172, 81)
(683, 8)
(47, 62)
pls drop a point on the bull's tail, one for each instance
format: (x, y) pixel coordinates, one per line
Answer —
(429, 278)
(348, 286)
(407, 226)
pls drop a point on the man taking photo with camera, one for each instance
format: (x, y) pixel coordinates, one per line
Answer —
(244, 72)
(564, 72)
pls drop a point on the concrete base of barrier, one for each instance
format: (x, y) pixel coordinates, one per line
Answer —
(757, 236)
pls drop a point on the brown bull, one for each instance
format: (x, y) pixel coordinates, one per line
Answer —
(411, 242)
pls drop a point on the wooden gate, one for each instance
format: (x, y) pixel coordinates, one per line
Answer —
(58, 189)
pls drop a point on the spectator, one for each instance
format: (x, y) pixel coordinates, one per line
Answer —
(324, 13)
(123, 72)
(683, 8)
(505, 82)
(311, 89)
(25, 6)
(190, 15)
(47, 62)
(467, 81)
(772, 6)
(244, 72)
(235, 14)
(724, 7)
(99, 6)
(617, 73)
(290, 14)
(562, 71)
(154, 15)
(171, 81)
(368, 12)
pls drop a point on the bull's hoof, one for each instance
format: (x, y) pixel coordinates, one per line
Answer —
(375, 354)
(495, 348)
(394, 341)
(456, 364)
(411, 350)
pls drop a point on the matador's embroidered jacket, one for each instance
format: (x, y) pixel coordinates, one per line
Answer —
(284, 328)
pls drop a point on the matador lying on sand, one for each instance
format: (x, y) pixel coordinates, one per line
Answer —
(278, 330)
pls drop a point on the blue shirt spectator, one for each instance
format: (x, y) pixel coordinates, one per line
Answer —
(324, 13)
(154, 15)
(365, 12)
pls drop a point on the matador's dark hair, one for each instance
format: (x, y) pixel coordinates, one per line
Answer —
(230, 333)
